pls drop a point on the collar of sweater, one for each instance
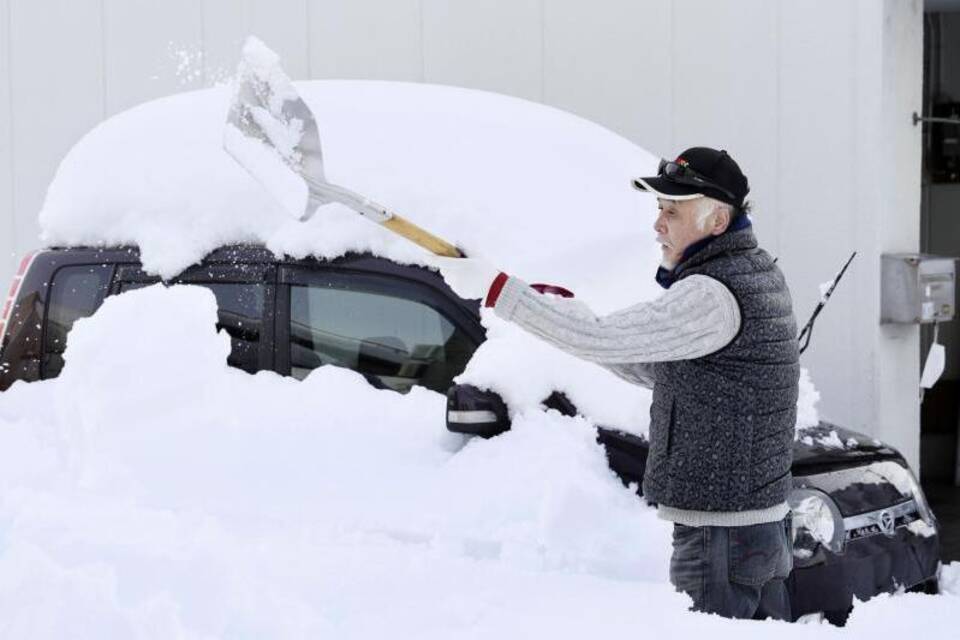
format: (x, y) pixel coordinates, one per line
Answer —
(739, 235)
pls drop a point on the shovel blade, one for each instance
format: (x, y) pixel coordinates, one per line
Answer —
(272, 133)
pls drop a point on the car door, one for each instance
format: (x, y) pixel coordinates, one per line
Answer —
(245, 296)
(396, 331)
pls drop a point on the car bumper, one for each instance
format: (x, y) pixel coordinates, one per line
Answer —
(867, 567)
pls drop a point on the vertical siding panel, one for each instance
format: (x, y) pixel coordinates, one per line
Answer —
(609, 61)
(152, 49)
(725, 90)
(56, 83)
(484, 45)
(366, 39)
(818, 210)
(227, 23)
(7, 248)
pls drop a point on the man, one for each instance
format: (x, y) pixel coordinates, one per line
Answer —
(719, 350)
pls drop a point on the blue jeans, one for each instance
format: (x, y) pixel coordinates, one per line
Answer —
(736, 572)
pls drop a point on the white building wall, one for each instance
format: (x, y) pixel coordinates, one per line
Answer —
(380, 39)
(8, 241)
(813, 98)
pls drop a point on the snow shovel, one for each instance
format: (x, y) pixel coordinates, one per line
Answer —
(272, 133)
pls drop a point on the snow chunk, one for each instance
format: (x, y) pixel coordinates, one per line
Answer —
(825, 289)
(950, 578)
(921, 528)
(807, 414)
(262, 63)
(813, 515)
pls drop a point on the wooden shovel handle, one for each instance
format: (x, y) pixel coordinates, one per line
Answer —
(424, 238)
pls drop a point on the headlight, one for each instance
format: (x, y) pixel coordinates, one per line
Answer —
(816, 521)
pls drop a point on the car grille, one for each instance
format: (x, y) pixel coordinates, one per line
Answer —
(884, 521)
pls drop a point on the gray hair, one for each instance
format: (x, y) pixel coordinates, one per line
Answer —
(705, 208)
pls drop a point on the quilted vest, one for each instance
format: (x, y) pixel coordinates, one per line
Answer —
(722, 426)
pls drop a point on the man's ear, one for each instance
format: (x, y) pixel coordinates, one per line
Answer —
(721, 220)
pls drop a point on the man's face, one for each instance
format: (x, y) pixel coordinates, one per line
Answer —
(678, 227)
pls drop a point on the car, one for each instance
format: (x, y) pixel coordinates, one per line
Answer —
(861, 523)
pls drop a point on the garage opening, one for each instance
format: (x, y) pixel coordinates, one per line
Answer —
(940, 235)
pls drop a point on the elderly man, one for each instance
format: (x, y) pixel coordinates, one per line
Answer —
(719, 350)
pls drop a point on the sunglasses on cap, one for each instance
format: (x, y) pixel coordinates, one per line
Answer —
(685, 175)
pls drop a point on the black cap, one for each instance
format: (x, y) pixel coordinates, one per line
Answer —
(721, 175)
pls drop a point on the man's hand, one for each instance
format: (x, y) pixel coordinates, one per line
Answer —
(470, 278)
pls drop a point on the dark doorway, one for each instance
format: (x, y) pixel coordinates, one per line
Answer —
(940, 235)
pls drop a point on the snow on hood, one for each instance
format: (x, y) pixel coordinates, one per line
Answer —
(540, 192)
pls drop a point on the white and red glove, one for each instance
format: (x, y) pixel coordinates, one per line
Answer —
(470, 278)
(473, 278)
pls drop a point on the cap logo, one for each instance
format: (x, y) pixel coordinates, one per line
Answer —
(682, 162)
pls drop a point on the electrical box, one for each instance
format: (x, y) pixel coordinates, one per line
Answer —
(917, 288)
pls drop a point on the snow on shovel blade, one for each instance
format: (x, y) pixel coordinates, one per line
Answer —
(272, 133)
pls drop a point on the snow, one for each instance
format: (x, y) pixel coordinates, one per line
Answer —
(950, 579)
(268, 470)
(270, 148)
(202, 502)
(825, 289)
(288, 189)
(921, 528)
(807, 414)
(830, 441)
(544, 193)
(812, 514)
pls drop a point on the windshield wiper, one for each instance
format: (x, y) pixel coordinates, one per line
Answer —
(807, 331)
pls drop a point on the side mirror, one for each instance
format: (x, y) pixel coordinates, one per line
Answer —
(476, 412)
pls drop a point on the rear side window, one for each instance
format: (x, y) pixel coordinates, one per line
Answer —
(75, 292)
(395, 341)
(239, 313)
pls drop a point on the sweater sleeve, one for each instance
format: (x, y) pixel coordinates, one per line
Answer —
(693, 318)
(638, 373)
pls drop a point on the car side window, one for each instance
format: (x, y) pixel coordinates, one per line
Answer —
(75, 292)
(239, 313)
(394, 341)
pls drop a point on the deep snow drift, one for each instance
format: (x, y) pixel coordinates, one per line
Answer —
(153, 492)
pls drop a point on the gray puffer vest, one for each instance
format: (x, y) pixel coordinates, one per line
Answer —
(721, 426)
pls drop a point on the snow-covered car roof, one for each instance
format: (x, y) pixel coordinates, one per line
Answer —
(541, 192)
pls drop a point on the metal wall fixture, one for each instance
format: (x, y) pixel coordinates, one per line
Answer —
(917, 119)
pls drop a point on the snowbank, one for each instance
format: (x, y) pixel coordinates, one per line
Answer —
(153, 486)
(184, 499)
